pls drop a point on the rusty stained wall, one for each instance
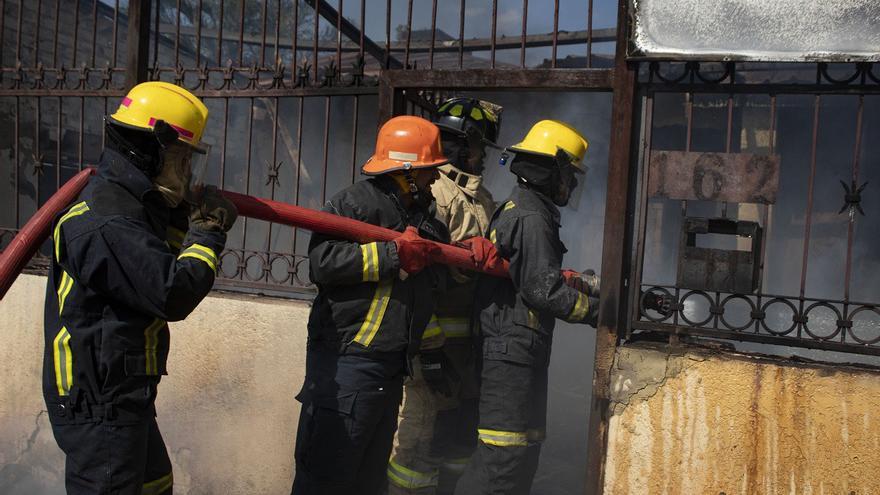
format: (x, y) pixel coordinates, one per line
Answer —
(699, 421)
(226, 409)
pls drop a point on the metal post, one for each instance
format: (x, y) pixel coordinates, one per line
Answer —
(138, 42)
(617, 242)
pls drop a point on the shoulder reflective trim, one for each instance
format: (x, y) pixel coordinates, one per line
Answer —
(508, 206)
(75, 210)
(158, 486)
(580, 309)
(64, 290)
(409, 478)
(151, 343)
(375, 314)
(370, 255)
(202, 253)
(503, 438)
(492, 237)
(174, 237)
(63, 360)
(455, 327)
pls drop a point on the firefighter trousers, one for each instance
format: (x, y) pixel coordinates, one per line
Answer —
(513, 414)
(347, 423)
(436, 434)
(126, 459)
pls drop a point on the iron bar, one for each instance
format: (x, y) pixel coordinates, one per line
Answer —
(354, 136)
(388, 34)
(522, 50)
(3, 31)
(315, 47)
(37, 154)
(362, 28)
(240, 35)
(247, 174)
(18, 31)
(56, 36)
(137, 46)
(494, 30)
(765, 214)
(589, 33)
(36, 46)
(850, 234)
(199, 33)
(408, 32)
(433, 33)
(272, 167)
(265, 17)
(277, 59)
(220, 34)
(339, 41)
(505, 80)
(94, 30)
(223, 147)
(299, 167)
(326, 149)
(808, 216)
(642, 220)
(16, 162)
(155, 29)
(115, 39)
(461, 35)
(294, 35)
(177, 37)
(555, 32)
(79, 150)
(58, 146)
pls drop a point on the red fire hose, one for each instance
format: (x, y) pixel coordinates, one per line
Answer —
(28, 240)
(346, 228)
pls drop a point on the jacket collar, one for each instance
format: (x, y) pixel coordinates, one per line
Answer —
(529, 195)
(115, 168)
(468, 183)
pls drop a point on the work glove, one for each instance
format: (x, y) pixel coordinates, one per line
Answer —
(214, 214)
(414, 252)
(483, 253)
(661, 303)
(437, 371)
(587, 281)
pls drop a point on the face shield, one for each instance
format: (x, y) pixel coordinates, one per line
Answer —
(183, 173)
(571, 181)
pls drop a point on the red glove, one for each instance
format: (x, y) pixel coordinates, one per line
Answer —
(414, 252)
(483, 253)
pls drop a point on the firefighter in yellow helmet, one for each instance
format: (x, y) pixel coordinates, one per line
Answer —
(374, 302)
(137, 249)
(438, 422)
(517, 315)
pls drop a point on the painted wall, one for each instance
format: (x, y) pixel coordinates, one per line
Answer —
(226, 409)
(698, 421)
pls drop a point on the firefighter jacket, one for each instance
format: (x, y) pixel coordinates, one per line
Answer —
(363, 305)
(465, 206)
(517, 315)
(123, 264)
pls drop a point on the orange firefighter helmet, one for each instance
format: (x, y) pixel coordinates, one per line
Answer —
(406, 143)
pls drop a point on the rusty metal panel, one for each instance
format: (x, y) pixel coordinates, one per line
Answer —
(757, 30)
(731, 177)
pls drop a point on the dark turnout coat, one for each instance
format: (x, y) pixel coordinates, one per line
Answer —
(123, 265)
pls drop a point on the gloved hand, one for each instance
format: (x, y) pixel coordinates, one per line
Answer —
(214, 214)
(587, 281)
(414, 252)
(483, 253)
(661, 303)
(438, 372)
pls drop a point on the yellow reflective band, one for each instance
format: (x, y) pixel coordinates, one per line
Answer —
(581, 307)
(503, 438)
(64, 290)
(202, 253)
(75, 210)
(151, 343)
(455, 327)
(408, 478)
(374, 316)
(492, 237)
(63, 360)
(370, 255)
(433, 329)
(158, 486)
(508, 206)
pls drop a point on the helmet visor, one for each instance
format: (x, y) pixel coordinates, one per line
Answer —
(572, 178)
(197, 173)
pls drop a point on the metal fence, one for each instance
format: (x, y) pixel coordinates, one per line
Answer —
(817, 287)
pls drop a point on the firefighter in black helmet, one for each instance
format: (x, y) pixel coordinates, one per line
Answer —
(438, 422)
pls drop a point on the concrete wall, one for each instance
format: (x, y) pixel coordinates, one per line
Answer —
(698, 421)
(226, 409)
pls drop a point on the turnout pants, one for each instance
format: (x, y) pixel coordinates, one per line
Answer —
(114, 459)
(347, 423)
(513, 414)
(436, 434)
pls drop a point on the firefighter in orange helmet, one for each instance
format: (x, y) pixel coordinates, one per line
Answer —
(374, 302)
